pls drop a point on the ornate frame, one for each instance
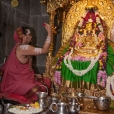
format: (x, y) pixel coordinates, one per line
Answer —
(74, 9)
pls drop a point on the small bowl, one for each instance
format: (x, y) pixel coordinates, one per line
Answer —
(102, 103)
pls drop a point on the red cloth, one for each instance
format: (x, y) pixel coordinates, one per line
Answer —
(16, 38)
(18, 79)
(18, 35)
(17, 98)
(93, 17)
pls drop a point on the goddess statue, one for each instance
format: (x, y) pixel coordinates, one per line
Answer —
(87, 60)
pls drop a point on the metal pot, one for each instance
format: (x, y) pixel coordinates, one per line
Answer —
(42, 98)
(6, 106)
(1, 109)
(61, 108)
(102, 103)
(74, 106)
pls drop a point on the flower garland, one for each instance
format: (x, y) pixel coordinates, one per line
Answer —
(102, 66)
(81, 22)
(93, 61)
(98, 21)
(108, 90)
(57, 77)
(102, 75)
(60, 59)
(101, 56)
(80, 72)
(101, 35)
(102, 61)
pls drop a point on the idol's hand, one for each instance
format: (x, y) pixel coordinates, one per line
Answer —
(48, 28)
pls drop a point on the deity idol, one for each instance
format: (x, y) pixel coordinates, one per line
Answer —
(87, 61)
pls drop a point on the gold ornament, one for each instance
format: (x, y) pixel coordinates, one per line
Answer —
(78, 9)
(90, 5)
(14, 3)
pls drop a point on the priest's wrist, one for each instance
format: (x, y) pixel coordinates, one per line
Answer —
(48, 39)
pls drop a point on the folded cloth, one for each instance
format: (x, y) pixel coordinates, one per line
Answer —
(17, 98)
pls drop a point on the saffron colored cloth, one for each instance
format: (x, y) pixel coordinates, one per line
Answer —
(18, 79)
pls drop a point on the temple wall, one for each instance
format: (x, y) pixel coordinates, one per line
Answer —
(27, 13)
(11, 18)
(38, 16)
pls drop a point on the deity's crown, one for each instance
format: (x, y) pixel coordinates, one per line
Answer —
(90, 5)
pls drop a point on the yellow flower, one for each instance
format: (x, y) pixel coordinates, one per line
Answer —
(36, 105)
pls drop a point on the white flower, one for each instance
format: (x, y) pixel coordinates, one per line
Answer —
(110, 80)
(80, 72)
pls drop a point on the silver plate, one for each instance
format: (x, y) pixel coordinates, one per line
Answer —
(22, 105)
(31, 113)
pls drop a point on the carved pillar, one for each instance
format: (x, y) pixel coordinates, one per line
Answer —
(52, 8)
(51, 22)
(48, 72)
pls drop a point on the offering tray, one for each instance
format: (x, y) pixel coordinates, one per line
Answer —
(32, 108)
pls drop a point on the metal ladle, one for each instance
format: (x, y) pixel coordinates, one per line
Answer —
(86, 96)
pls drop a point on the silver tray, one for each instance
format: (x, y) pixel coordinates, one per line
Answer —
(25, 106)
(31, 113)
